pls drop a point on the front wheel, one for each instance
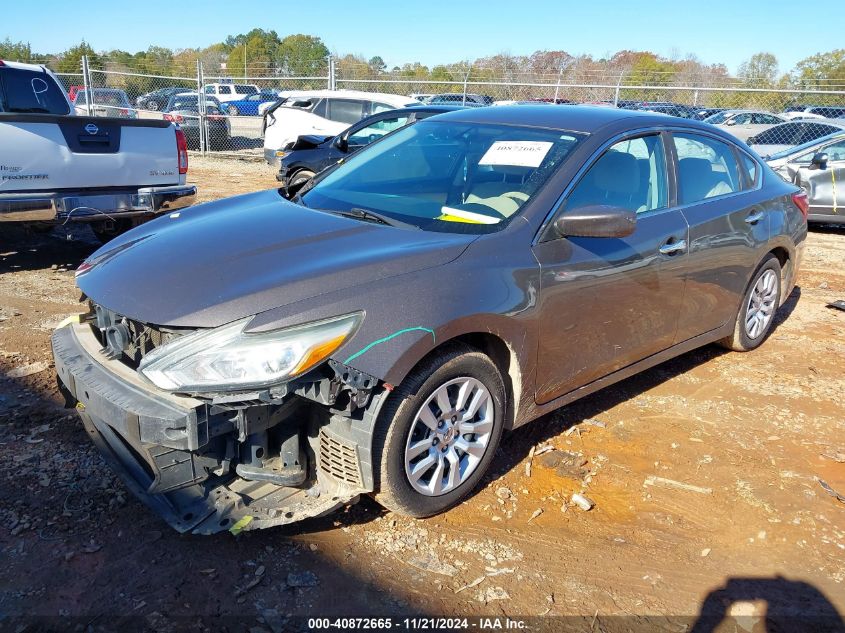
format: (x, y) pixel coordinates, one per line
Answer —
(152, 105)
(758, 307)
(438, 432)
(232, 110)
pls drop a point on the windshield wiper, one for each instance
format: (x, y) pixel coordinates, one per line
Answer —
(372, 216)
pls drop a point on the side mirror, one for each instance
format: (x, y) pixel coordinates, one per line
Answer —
(596, 220)
(751, 140)
(820, 160)
(730, 122)
(341, 143)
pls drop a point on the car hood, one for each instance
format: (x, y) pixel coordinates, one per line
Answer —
(310, 141)
(218, 262)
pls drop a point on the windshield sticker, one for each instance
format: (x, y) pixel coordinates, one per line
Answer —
(450, 214)
(516, 153)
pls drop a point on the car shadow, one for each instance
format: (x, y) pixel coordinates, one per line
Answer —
(790, 606)
(22, 248)
(516, 446)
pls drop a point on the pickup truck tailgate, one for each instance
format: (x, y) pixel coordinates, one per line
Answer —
(72, 152)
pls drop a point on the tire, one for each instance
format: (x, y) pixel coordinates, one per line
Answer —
(152, 105)
(455, 370)
(300, 178)
(232, 110)
(757, 310)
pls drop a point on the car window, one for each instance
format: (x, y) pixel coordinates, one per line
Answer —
(631, 174)
(706, 168)
(813, 131)
(377, 107)
(743, 118)
(375, 131)
(785, 134)
(765, 119)
(834, 151)
(31, 91)
(446, 176)
(345, 110)
(209, 90)
(224, 90)
(243, 89)
(715, 119)
(751, 169)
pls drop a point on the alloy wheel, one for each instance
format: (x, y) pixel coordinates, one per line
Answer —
(449, 436)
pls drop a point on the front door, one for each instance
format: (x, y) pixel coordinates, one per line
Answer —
(608, 302)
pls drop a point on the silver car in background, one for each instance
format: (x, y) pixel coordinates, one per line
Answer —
(818, 167)
(744, 123)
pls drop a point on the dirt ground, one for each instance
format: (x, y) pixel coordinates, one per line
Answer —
(704, 473)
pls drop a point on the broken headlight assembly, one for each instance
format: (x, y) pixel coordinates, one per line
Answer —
(227, 359)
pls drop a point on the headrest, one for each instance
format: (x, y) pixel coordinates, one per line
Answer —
(617, 172)
(692, 169)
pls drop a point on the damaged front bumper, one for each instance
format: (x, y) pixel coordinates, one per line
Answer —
(181, 455)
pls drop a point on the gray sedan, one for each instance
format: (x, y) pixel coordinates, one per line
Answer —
(255, 361)
(819, 168)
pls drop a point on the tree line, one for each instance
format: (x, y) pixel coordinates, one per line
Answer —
(263, 53)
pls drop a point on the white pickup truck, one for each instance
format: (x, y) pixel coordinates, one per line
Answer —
(56, 167)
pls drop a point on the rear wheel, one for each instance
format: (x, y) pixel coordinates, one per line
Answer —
(758, 307)
(438, 432)
(232, 110)
(152, 105)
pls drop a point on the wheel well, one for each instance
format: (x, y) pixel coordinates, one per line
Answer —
(782, 256)
(505, 360)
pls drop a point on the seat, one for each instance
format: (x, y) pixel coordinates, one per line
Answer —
(698, 181)
(500, 189)
(615, 180)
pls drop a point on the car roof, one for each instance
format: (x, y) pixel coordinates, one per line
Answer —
(391, 99)
(576, 118)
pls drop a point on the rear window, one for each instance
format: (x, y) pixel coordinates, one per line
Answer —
(30, 91)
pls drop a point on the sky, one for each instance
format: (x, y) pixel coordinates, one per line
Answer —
(437, 31)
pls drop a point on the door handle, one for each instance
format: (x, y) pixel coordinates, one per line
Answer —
(670, 248)
(754, 218)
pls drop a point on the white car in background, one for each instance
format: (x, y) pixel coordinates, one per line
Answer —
(744, 123)
(224, 92)
(321, 113)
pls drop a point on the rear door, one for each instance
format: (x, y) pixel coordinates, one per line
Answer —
(609, 302)
(728, 227)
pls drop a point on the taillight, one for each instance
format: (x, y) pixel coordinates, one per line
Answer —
(174, 118)
(182, 152)
(800, 199)
(124, 112)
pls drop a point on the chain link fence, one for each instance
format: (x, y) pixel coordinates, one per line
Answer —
(224, 114)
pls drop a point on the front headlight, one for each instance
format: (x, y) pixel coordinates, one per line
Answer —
(228, 359)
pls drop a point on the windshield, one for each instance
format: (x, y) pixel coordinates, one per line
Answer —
(719, 117)
(444, 176)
